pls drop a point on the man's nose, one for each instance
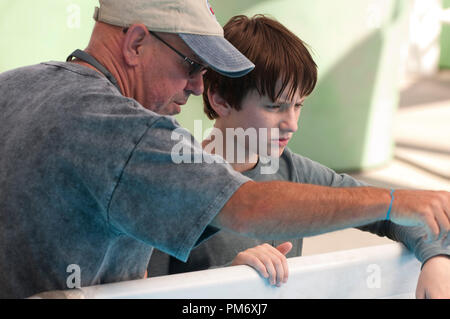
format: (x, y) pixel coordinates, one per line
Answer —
(195, 84)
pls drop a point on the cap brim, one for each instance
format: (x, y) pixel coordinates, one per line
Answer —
(219, 54)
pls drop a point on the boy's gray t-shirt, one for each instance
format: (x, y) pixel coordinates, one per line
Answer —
(223, 247)
(87, 179)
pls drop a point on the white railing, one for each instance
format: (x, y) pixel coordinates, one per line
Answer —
(387, 271)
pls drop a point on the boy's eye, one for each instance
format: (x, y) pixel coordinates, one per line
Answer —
(283, 106)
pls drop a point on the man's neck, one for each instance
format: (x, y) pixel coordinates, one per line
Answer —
(105, 47)
(107, 62)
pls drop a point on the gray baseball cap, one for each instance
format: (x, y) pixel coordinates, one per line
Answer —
(193, 20)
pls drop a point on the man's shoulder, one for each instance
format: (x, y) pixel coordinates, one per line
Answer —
(43, 68)
(71, 91)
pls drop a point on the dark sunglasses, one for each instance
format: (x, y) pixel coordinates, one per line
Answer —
(194, 67)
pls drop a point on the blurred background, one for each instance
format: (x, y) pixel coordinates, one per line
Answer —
(380, 111)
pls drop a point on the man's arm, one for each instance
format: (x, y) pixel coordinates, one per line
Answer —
(283, 210)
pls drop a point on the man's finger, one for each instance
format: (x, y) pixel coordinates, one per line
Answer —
(432, 228)
(444, 224)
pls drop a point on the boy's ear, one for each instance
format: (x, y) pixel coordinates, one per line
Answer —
(218, 103)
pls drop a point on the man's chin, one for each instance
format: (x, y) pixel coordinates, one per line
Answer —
(170, 109)
(175, 109)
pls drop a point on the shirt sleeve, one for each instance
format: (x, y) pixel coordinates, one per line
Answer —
(413, 238)
(166, 202)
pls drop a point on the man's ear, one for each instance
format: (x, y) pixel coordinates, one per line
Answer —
(218, 103)
(133, 43)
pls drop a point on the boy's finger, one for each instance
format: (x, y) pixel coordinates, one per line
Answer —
(284, 248)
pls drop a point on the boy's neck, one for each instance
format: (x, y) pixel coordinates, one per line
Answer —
(244, 167)
(251, 160)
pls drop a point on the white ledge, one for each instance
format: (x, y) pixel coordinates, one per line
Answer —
(387, 271)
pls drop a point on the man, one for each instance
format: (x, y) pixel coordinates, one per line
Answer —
(86, 174)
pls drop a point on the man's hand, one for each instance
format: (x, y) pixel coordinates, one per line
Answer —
(269, 261)
(434, 279)
(423, 208)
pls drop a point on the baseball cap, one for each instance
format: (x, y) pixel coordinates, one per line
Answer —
(193, 20)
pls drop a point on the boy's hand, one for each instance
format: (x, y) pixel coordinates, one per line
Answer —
(434, 279)
(269, 261)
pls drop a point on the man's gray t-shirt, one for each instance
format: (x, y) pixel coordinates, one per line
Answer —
(87, 179)
(221, 249)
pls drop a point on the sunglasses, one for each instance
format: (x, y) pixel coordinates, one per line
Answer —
(195, 68)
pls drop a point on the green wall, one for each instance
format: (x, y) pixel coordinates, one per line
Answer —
(44, 30)
(445, 42)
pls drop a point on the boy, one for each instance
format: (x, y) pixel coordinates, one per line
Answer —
(271, 97)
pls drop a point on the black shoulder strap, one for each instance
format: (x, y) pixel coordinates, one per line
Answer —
(92, 61)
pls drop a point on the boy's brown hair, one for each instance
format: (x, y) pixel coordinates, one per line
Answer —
(277, 53)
